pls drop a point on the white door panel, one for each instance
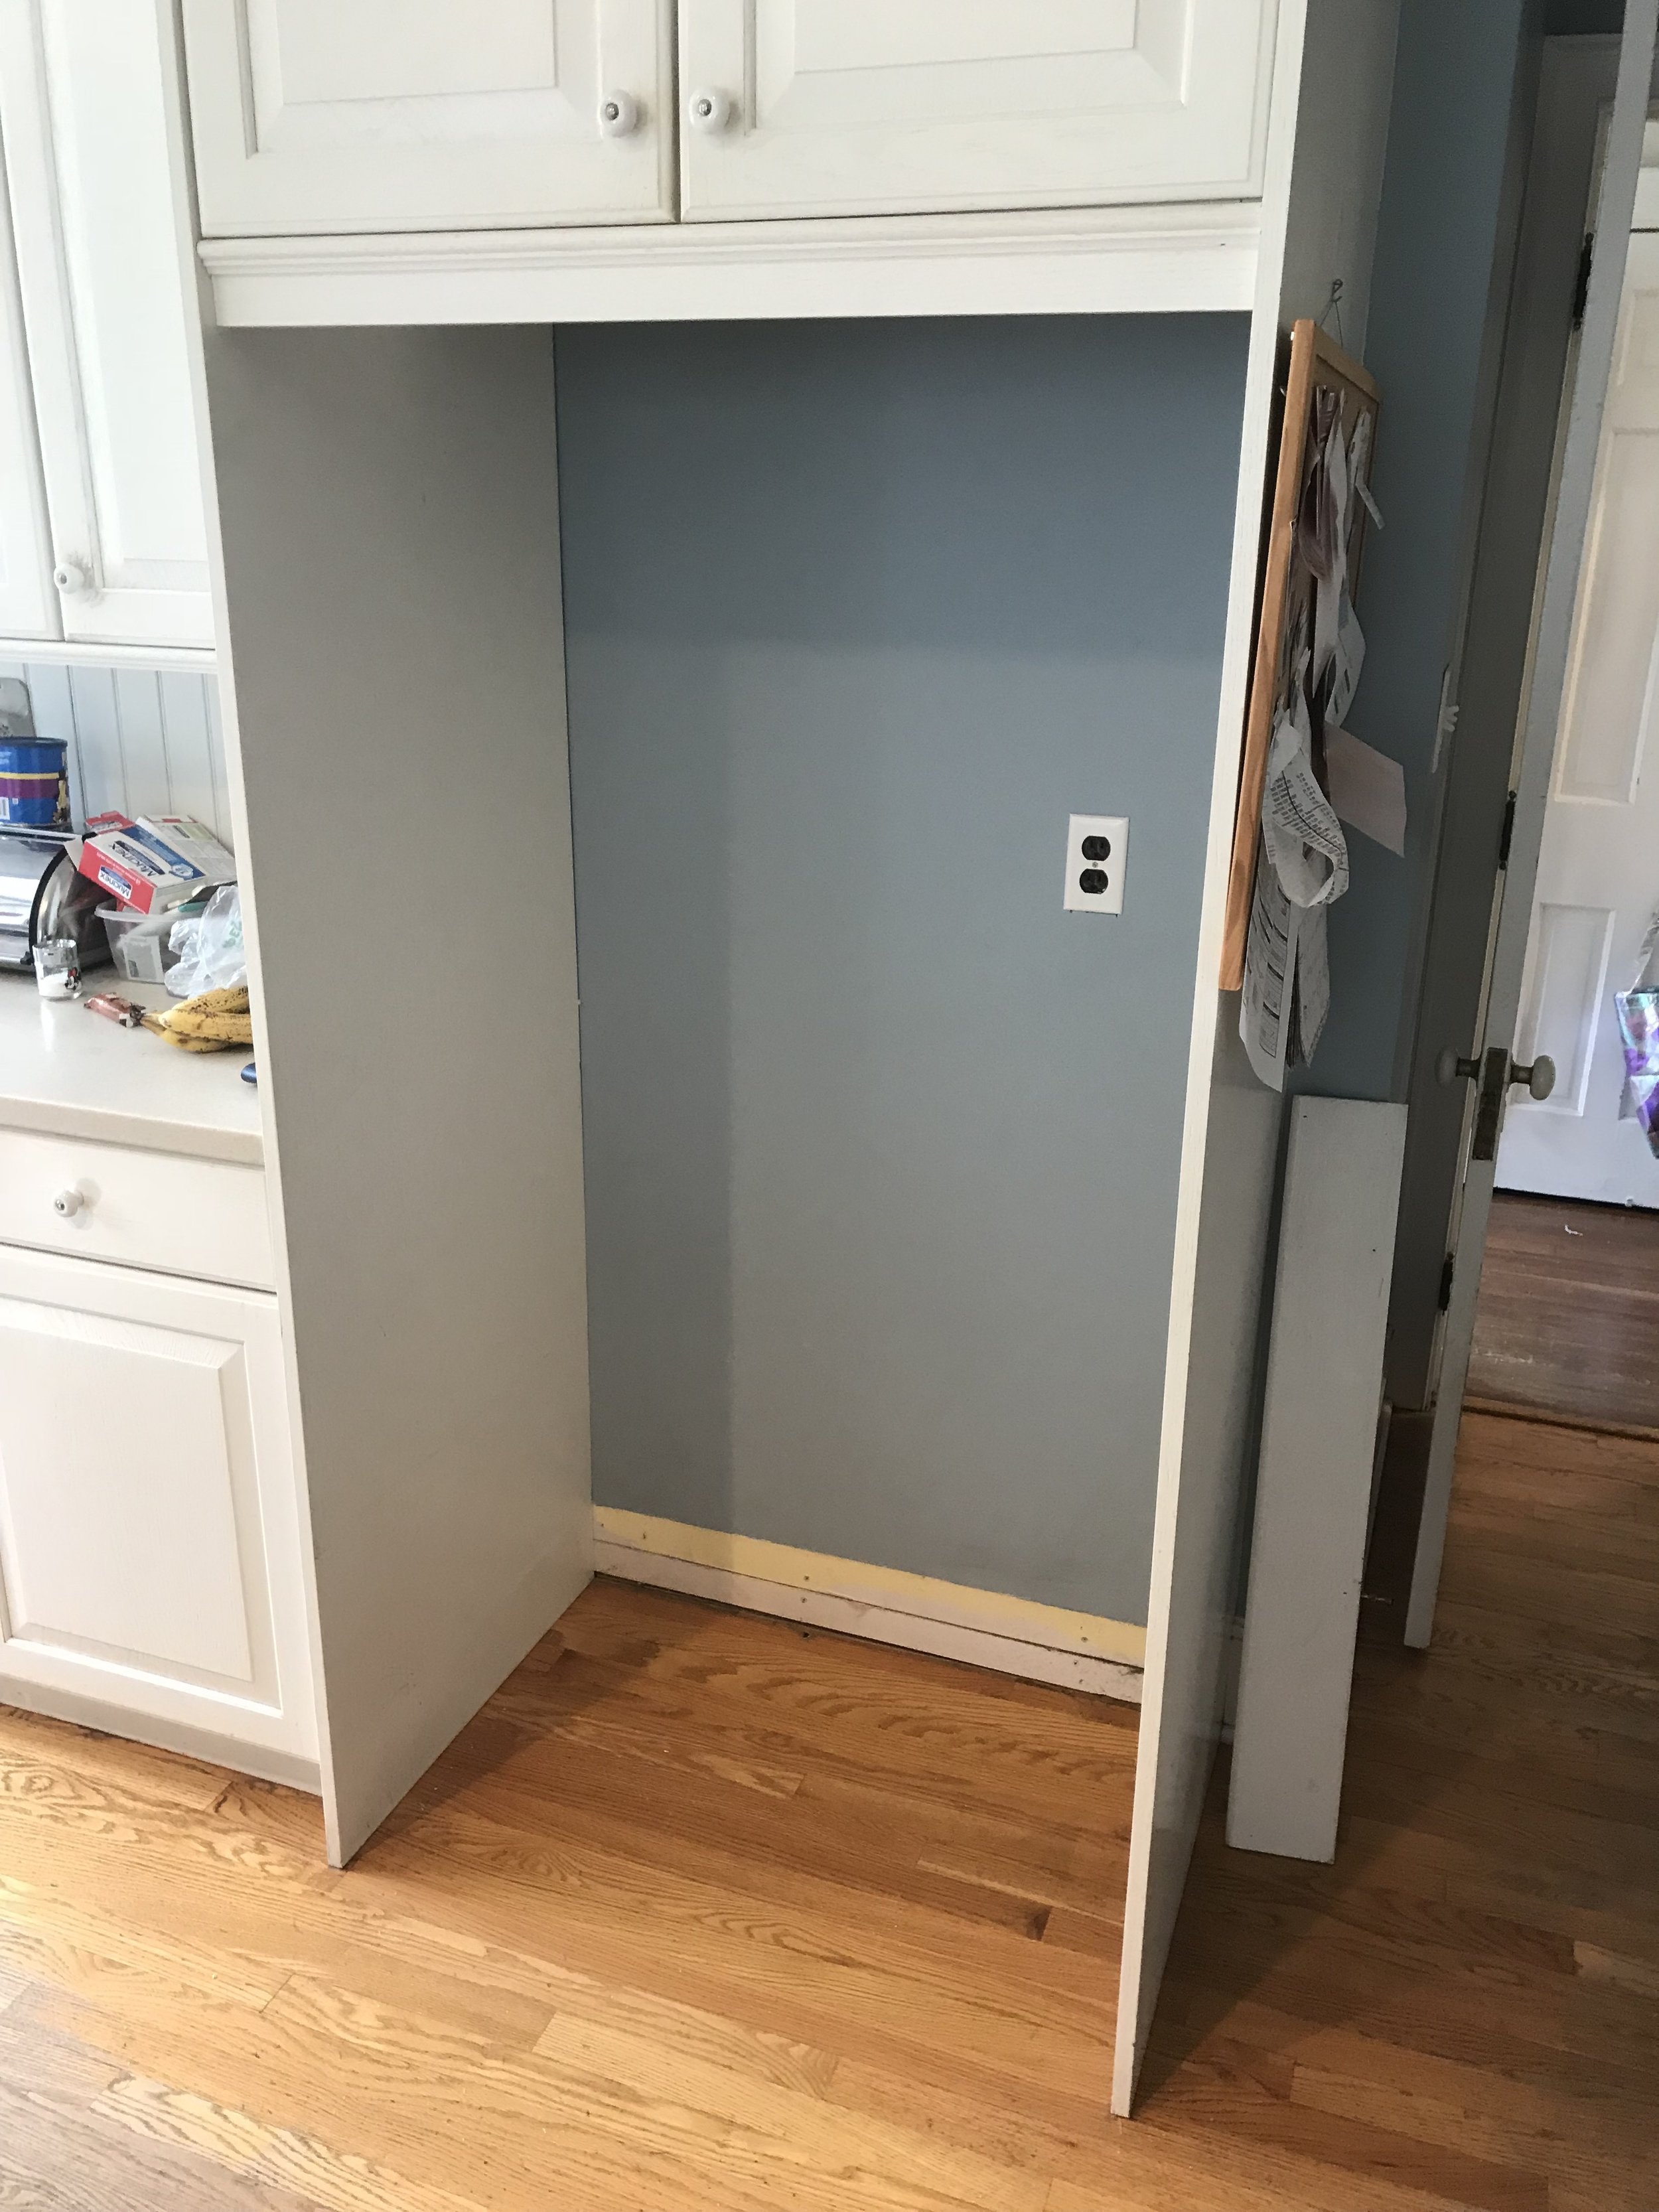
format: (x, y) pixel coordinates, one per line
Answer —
(855, 107)
(364, 115)
(148, 1524)
(1598, 865)
(1593, 409)
(1559, 999)
(28, 603)
(81, 107)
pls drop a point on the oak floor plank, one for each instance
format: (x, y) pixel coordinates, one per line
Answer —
(58, 2152)
(815, 1966)
(704, 1914)
(277, 2159)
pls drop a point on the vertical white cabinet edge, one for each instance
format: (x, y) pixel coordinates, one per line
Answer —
(199, 317)
(28, 602)
(1166, 1770)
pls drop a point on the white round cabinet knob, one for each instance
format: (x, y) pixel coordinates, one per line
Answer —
(710, 111)
(619, 114)
(71, 578)
(68, 1203)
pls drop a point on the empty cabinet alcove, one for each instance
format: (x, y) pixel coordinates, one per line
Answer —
(880, 1146)
(864, 1224)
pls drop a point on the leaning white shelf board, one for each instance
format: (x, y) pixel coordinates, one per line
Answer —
(1314, 1480)
(67, 1073)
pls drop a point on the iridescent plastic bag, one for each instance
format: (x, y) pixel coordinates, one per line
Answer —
(1638, 1026)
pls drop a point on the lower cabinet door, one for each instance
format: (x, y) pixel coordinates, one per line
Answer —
(151, 1575)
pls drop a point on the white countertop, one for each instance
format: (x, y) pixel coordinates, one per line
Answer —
(74, 1074)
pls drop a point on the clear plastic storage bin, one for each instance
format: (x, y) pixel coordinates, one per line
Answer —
(138, 942)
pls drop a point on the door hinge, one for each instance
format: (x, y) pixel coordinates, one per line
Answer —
(1580, 283)
(1506, 833)
(1448, 1268)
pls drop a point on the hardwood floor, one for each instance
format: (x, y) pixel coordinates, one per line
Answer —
(1568, 1319)
(702, 1914)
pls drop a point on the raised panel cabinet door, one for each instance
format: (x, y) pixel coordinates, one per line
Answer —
(150, 1554)
(364, 115)
(98, 265)
(799, 107)
(28, 604)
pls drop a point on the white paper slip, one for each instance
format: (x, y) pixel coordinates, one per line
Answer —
(1368, 789)
(1304, 841)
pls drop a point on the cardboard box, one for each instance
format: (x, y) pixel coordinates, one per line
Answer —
(159, 861)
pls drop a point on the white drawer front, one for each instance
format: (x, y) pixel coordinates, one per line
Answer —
(142, 1209)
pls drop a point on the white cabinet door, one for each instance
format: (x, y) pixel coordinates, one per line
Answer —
(81, 114)
(357, 115)
(28, 603)
(150, 1547)
(861, 107)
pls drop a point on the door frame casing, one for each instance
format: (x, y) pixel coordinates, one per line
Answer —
(1554, 602)
(1535, 351)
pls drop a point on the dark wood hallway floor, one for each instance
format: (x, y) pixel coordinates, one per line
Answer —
(1568, 1321)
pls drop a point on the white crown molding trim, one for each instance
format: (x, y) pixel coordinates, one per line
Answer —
(1177, 257)
(982, 1628)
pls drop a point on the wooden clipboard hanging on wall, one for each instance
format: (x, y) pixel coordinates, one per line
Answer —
(1317, 363)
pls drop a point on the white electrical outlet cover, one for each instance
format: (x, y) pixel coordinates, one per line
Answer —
(1115, 830)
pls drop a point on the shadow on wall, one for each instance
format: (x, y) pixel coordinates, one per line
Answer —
(881, 1145)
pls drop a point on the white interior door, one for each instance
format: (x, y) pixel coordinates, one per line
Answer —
(1598, 868)
(354, 115)
(28, 603)
(80, 107)
(855, 107)
(1553, 634)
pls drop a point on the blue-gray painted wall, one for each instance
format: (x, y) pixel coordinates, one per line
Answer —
(1440, 238)
(1566, 18)
(882, 1147)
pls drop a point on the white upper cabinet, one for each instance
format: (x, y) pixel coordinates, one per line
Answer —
(361, 115)
(28, 604)
(805, 107)
(93, 213)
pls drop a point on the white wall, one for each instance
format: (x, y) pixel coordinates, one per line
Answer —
(146, 740)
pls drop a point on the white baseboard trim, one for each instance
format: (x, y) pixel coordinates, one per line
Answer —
(981, 1628)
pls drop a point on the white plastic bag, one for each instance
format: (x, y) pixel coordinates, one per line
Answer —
(211, 946)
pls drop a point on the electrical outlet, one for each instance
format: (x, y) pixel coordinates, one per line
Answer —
(1096, 852)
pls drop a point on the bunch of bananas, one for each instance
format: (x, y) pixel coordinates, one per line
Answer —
(214, 1021)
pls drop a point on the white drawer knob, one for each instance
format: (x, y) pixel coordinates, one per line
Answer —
(71, 580)
(68, 1203)
(619, 114)
(710, 111)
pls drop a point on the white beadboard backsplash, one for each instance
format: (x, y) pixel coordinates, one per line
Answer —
(146, 740)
